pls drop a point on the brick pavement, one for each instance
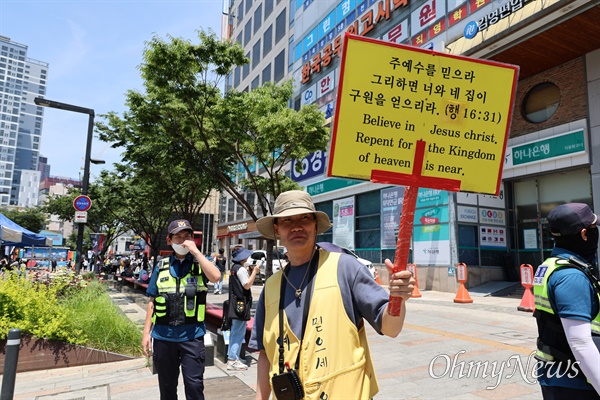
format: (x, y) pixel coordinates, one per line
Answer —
(446, 351)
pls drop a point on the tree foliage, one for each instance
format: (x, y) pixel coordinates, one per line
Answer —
(239, 131)
(103, 217)
(32, 219)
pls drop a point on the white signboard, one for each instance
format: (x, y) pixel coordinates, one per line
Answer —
(530, 239)
(432, 252)
(492, 236)
(343, 222)
(309, 95)
(80, 217)
(491, 216)
(466, 214)
(326, 84)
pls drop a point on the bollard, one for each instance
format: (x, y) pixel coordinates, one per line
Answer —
(462, 296)
(10, 364)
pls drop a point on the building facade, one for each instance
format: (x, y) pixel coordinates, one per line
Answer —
(552, 149)
(21, 80)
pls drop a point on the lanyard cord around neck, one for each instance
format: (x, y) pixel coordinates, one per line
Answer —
(309, 286)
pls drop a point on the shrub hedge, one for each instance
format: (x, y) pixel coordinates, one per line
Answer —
(65, 307)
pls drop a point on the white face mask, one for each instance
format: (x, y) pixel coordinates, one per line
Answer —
(179, 249)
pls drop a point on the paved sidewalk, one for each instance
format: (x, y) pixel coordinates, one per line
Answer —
(447, 350)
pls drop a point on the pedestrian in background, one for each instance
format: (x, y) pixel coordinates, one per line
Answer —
(221, 263)
(175, 314)
(309, 320)
(240, 305)
(567, 304)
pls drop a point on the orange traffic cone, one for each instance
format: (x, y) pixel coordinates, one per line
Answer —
(527, 302)
(462, 296)
(377, 277)
(416, 293)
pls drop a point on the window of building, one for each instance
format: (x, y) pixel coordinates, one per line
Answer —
(267, 41)
(541, 102)
(268, 7)
(257, 18)
(240, 12)
(230, 209)
(248, 5)
(266, 74)
(246, 68)
(239, 39)
(255, 83)
(256, 54)
(327, 208)
(279, 67)
(239, 213)
(368, 225)
(247, 32)
(280, 26)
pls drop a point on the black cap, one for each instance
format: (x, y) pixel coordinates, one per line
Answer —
(570, 219)
(179, 225)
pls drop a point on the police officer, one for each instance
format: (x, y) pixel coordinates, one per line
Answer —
(567, 306)
(175, 314)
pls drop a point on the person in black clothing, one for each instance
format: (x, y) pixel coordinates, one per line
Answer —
(240, 303)
(221, 263)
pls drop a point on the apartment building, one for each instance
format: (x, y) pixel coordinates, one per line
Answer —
(21, 80)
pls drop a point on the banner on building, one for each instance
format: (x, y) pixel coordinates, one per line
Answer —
(343, 222)
(391, 209)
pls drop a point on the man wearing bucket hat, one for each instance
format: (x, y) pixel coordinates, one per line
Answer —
(309, 320)
(240, 304)
(175, 314)
(567, 304)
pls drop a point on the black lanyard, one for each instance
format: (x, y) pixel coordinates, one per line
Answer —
(309, 286)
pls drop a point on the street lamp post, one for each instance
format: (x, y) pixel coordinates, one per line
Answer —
(86, 165)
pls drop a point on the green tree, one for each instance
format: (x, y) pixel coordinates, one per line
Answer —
(182, 111)
(103, 216)
(32, 218)
(255, 130)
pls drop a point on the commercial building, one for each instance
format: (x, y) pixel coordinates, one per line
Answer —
(552, 149)
(21, 80)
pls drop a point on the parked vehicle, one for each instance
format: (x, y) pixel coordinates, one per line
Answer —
(259, 257)
(338, 249)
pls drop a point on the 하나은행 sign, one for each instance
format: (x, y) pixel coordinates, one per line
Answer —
(390, 96)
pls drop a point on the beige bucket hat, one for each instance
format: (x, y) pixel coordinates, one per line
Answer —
(292, 202)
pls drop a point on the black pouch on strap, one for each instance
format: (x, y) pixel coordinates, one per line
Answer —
(287, 386)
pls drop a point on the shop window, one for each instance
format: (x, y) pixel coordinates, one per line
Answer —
(541, 102)
(327, 208)
(468, 244)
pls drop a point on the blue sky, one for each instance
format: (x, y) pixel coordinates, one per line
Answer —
(94, 49)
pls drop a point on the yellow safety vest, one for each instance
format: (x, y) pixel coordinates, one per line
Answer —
(179, 300)
(335, 361)
(548, 339)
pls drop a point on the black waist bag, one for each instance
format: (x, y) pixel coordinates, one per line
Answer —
(287, 386)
